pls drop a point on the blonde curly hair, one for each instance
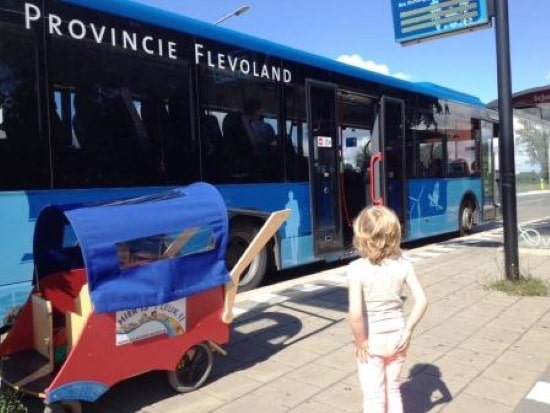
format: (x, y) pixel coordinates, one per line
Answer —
(377, 234)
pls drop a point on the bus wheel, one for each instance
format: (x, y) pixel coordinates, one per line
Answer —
(240, 238)
(466, 217)
(193, 369)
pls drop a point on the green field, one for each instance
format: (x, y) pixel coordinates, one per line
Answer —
(530, 186)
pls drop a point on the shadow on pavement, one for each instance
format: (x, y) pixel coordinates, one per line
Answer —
(424, 389)
(255, 336)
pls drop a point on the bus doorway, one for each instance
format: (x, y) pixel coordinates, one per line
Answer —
(323, 168)
(389, 166)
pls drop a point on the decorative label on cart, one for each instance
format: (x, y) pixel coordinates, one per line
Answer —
(142, 323)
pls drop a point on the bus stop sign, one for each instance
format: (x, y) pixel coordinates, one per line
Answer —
(418, 20)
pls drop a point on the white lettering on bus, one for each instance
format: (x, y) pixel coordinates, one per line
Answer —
(265, 72)
(144, 45)
(198, 53)
(160, 49)
(244, 66)
(221, 61)
(287, 76)
(232, 63)
(81, 28)
(113, 37)
(276, 73)
(172, 50)
(210, 60)
(98, 36)
(55, 22)
(129, 39)
(32, 14)
(78, 30)
(255, 70)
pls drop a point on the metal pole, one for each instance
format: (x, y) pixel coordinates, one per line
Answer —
(506, 144)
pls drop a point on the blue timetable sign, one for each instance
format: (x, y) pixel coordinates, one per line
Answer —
(415, 20)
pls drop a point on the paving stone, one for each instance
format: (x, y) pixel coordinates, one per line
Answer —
(232, 386)
(476, 350)
(503, 392)
(267, 370)
(471, 403)
(523, 377)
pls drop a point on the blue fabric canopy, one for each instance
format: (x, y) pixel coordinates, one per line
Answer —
(183, 233)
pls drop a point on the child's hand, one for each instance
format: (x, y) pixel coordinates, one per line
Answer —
(404, 342)
(361, 351)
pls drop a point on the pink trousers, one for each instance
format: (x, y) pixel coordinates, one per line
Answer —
(380, 376)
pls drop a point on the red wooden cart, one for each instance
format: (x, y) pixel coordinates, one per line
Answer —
(126, 288)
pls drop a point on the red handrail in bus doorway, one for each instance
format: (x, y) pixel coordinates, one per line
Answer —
(377, 157)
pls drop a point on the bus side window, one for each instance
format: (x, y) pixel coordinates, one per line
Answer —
(111, 134)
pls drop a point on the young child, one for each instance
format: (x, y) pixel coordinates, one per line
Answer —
(381, 335)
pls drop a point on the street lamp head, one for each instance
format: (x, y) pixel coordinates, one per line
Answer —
(241, 10)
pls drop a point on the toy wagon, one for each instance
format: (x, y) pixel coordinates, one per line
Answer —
(125, 288)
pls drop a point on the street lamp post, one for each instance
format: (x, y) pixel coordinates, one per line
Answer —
(237, 12)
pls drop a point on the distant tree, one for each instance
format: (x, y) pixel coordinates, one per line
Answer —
(534, 138)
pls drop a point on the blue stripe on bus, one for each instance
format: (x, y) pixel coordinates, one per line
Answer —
(434, 203)
(21, 208)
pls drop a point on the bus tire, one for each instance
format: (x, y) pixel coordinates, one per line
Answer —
(240, 238)
(466, 217)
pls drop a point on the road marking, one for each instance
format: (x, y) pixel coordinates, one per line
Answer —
(269, 298)
(540, 392)
(415, 255)
(308, 287)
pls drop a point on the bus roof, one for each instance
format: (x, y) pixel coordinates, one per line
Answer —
(173, 21)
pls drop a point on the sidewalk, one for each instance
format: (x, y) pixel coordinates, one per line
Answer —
(290, 351)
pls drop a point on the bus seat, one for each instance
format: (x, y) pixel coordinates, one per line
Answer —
(237, 150)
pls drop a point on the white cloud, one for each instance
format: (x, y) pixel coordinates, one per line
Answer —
(356, 60)
(547, 77)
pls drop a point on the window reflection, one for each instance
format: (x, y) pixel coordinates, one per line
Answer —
(146, 250)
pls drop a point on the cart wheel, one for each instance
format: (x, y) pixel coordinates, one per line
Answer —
(193, 369)
(72, 406)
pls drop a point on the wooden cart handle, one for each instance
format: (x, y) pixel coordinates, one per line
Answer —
(270, 227)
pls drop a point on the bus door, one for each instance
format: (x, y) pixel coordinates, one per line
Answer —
(389, 169)
(323, 167)
(489, 172)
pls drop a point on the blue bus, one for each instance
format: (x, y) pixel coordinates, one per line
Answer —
(107, 100)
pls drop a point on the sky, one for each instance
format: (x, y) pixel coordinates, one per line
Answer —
(360, 32)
